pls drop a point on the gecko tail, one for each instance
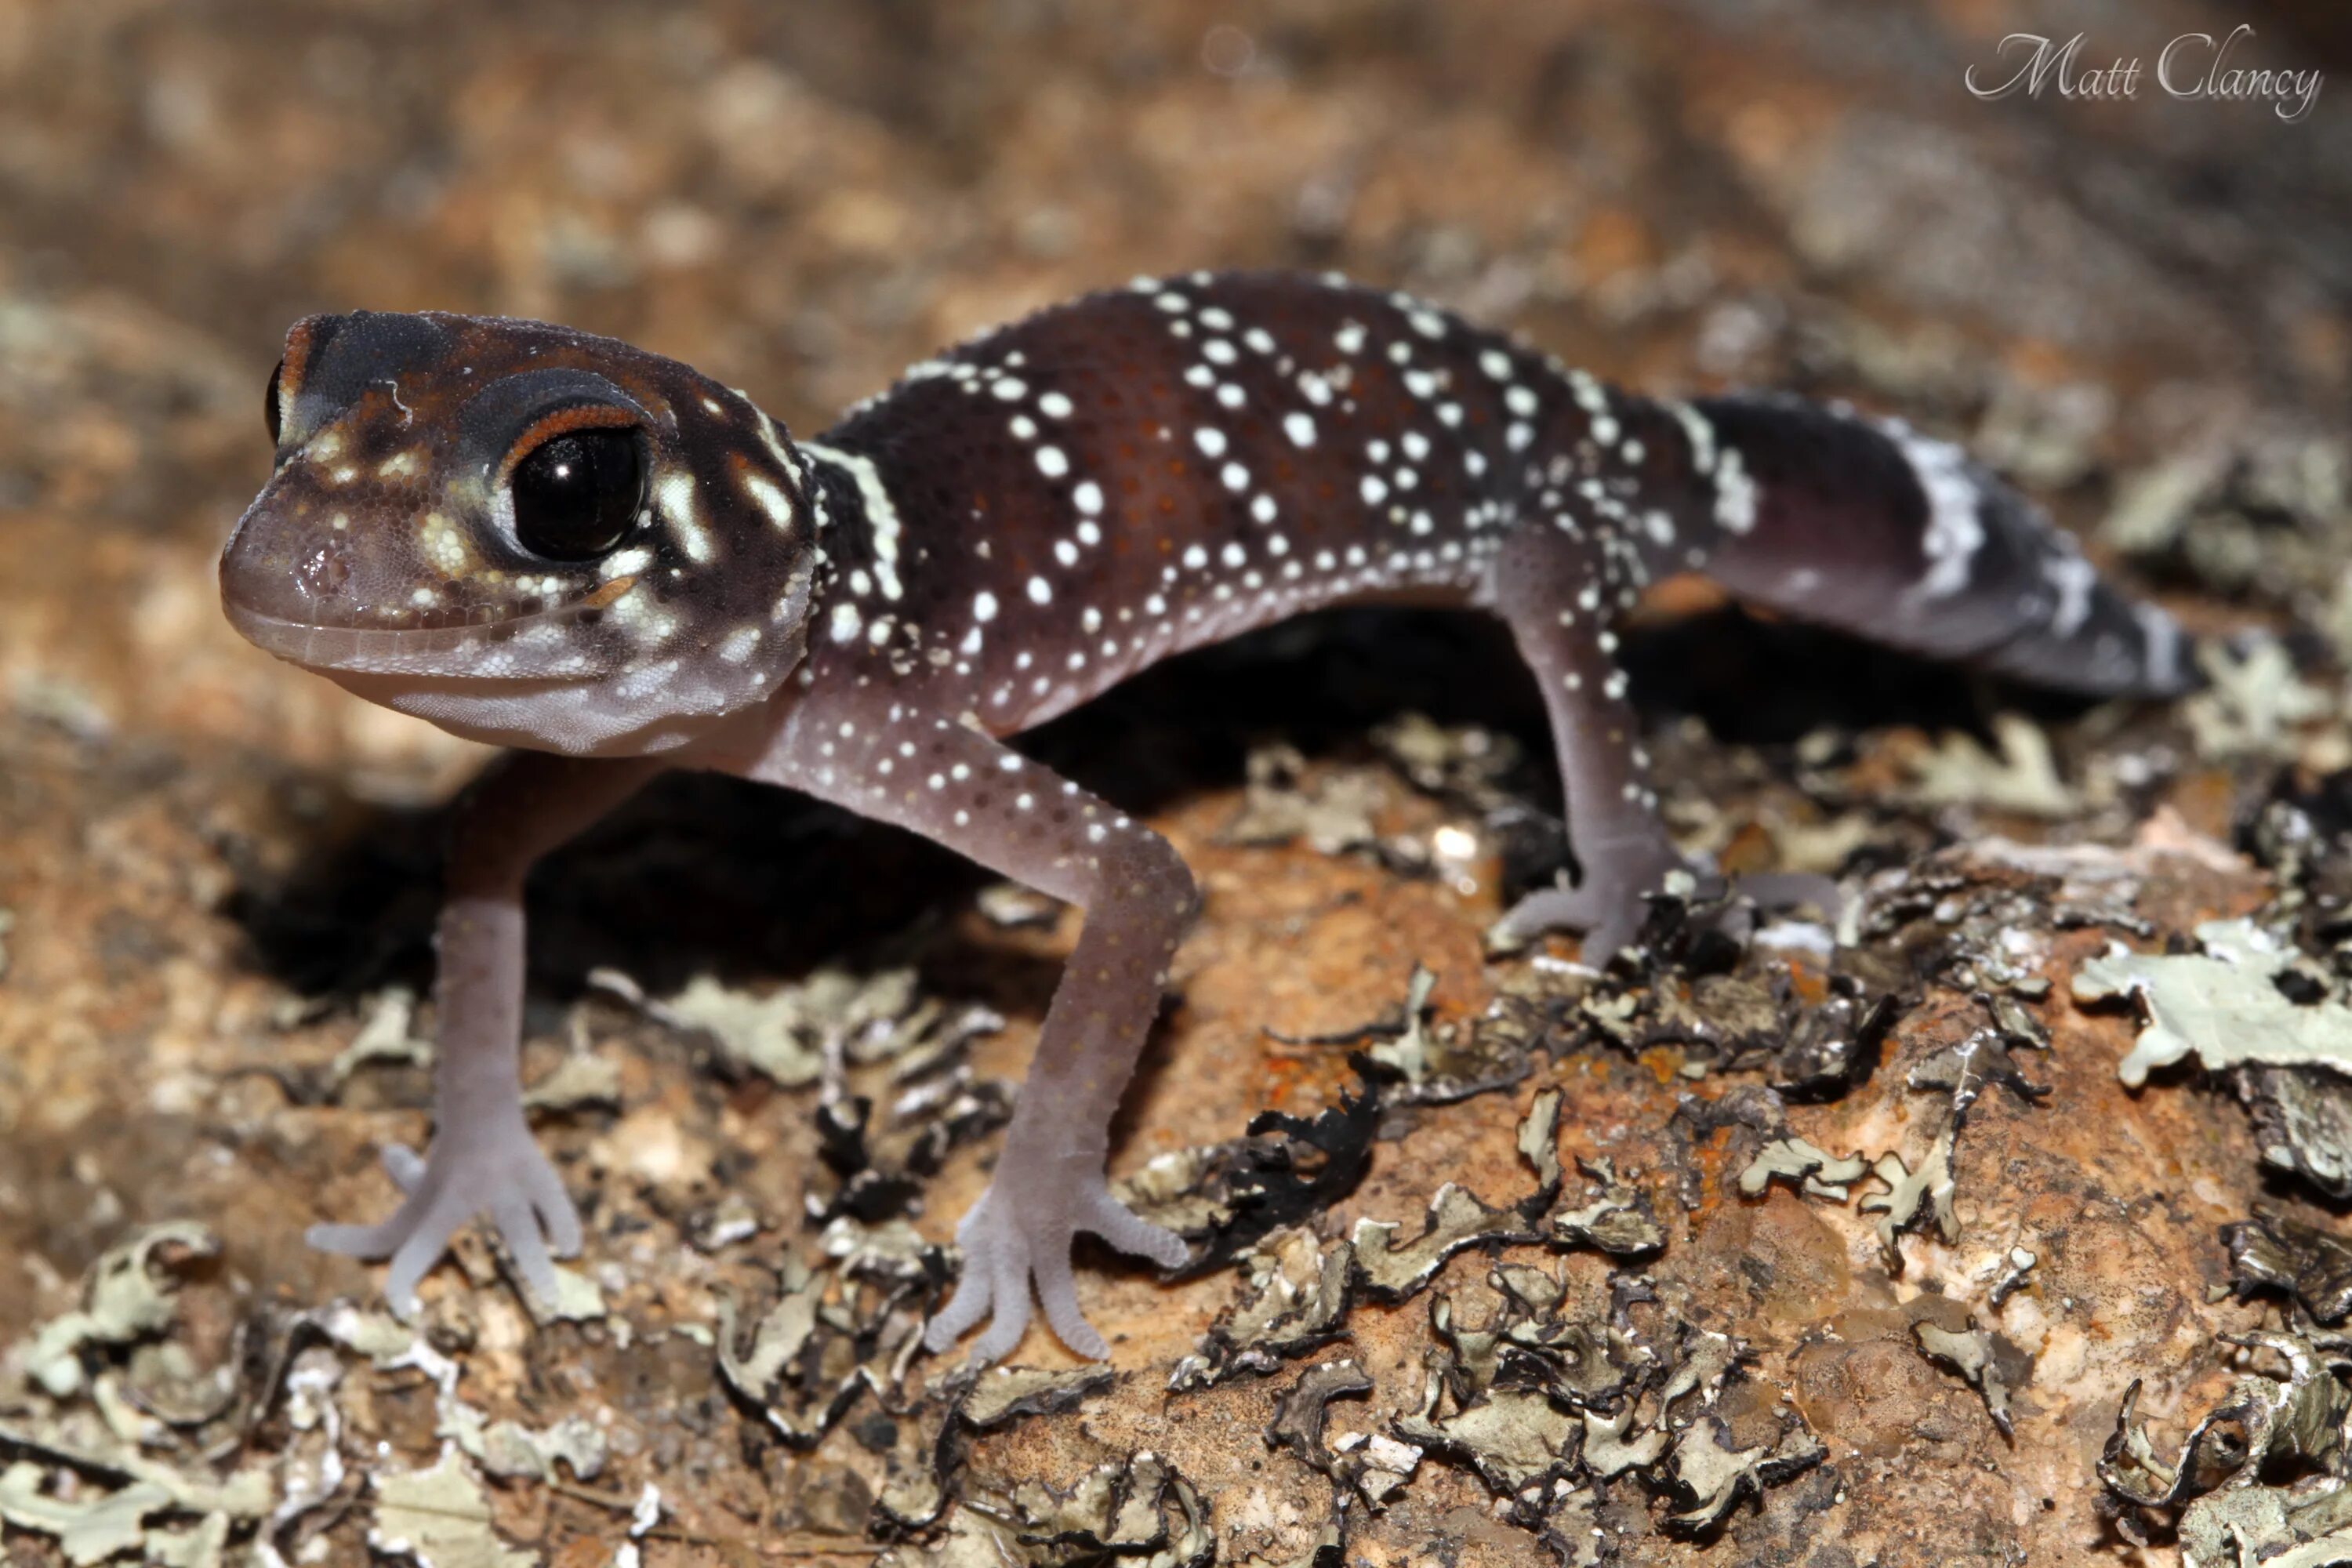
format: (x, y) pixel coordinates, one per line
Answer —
(1872, 528)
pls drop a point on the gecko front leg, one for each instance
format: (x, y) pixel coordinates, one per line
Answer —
(483, 1160)
(963, 789)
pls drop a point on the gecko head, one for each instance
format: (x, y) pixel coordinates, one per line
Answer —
(523, 532)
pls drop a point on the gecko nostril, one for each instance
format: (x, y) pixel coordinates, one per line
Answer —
(324, 568)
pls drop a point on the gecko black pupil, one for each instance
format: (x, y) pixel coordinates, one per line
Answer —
(270, 400)
(577, 495)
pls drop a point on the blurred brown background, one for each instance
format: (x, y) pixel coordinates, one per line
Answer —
(802, 198)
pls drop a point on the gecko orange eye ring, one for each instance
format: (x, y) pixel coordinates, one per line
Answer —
(578, 492)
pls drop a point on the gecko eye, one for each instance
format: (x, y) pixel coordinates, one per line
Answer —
(269, 401)
(577, 495)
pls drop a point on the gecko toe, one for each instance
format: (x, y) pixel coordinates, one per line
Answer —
(1115, 1224)
(518, 1226)
(1015, 1258)
(1610, 909)
(478, 1168)
(1553, 909)
(1787, 889)
(414, 1259)
(975, 1291)
(1057, 1292)
(370, 1242)
(1008, 1294)
(968, 1306)
(405, 1165)
(555, 1212)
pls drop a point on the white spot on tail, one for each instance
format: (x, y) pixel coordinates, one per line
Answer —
(1955, 532)
(2163, 635)
(2074, 578)
(1735, 495)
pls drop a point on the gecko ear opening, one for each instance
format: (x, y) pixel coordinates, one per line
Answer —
(579, 493)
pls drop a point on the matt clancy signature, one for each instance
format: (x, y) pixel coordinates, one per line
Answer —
(2194, 67)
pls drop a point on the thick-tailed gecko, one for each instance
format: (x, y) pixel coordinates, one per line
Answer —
(569, 546)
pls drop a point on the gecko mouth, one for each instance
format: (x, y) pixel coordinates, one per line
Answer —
(404, 650)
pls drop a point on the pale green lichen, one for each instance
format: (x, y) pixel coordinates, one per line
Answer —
(2020, 776)
(1714, 1476)
(790, 1034)
(1914, 1198)
(86, 1531)
(125, 1299)
(1810, 1170)
(1984, 1360)
(387, 1034)
(2220, 1004)
(439, 1518)
(1333, 814)
(2254, 702)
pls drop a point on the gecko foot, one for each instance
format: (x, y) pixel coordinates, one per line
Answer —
(1610, 910)
(468, 1172)
(1020, 1231)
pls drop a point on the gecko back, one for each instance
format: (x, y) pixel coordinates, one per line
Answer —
(1034, 515)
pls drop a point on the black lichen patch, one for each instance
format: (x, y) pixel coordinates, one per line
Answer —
(1551, 1401)
(1712, 1477)
(1300, 1414)
(2276, 1252)
(1966, 1067)
(1226, 1198)
(2289, 1410)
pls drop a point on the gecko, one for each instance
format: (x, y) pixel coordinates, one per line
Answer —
(616, 566)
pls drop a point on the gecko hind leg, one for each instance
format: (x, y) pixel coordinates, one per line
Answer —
(1553, 591)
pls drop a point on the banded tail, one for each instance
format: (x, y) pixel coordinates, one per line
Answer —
(1873, 529)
